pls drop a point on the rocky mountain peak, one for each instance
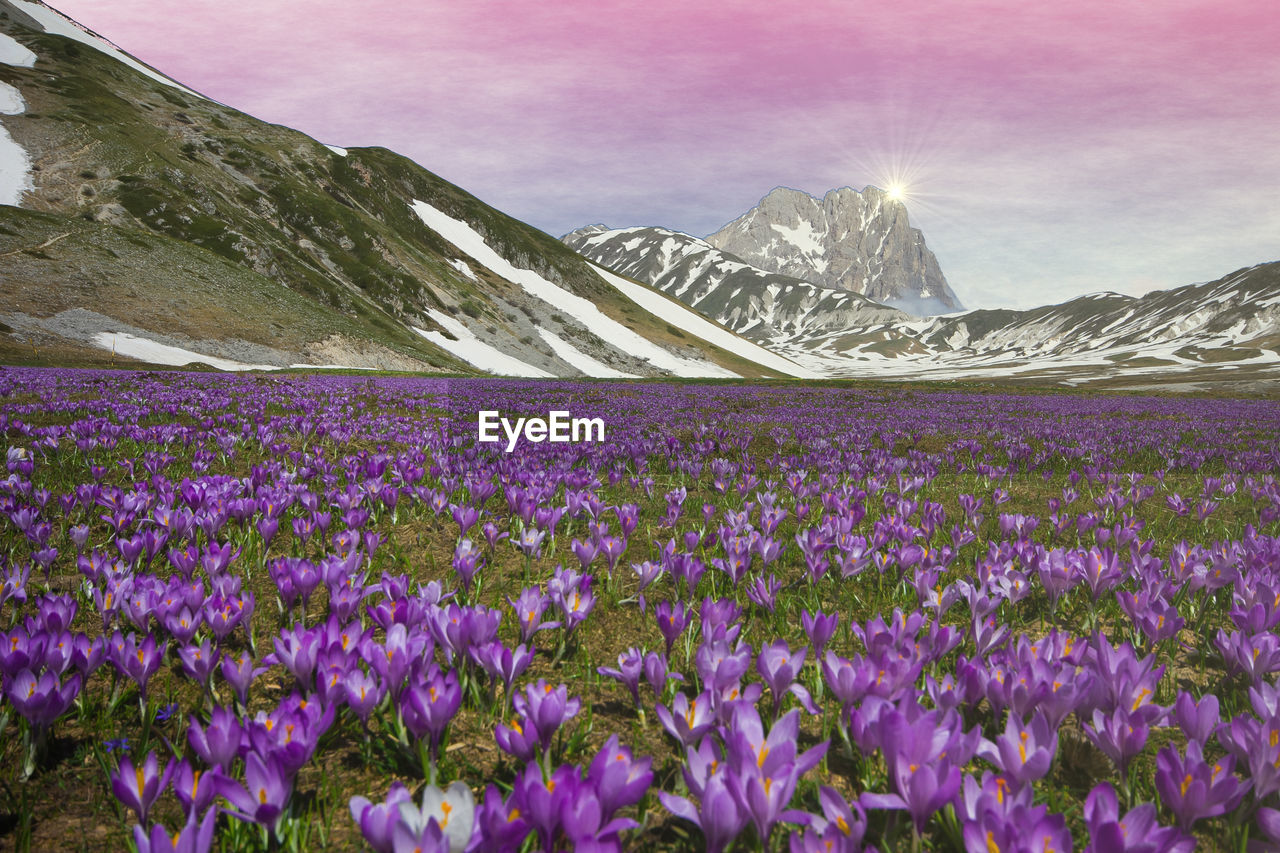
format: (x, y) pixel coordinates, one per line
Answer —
(861, 242)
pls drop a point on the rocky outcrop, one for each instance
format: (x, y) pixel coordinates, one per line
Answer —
(861, 242)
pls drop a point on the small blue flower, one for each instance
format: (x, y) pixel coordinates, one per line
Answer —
(121, 744)
(166, 711)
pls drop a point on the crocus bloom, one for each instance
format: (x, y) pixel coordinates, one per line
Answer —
(378, 821)
(630, 668)
(42, 700)
(218, 744)
(1198, 720)
(139, 787)
(618, 778)
(430, 703)
(719, 814)
(136, 659)
(672, 620)
(1119, 734)
(199, 661)
(192, 838)
(1192, 789)
(529, 608)
(363, 692)
(452, 811)
(780, 667)
(1137, 832)
(819, 627)
(195, 789)
(688, 720)
(1025, 750)
(265, 793)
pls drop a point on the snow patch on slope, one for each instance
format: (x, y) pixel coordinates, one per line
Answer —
(461, 266)
(474, 351)
(682, 318)
(15, 163)
(575, 357)
(465, 238)
(154, 352)
(13, 52)
(55, 24)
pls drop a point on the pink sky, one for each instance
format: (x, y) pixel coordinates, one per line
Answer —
(1049, 149)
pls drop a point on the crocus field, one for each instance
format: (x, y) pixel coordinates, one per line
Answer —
(265, 612)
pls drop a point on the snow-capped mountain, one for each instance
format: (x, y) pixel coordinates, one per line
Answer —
(140, 219)
(860, 242)
(766, 307)
(1225, 330)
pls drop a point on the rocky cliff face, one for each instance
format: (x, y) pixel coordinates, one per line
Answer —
(861, 242)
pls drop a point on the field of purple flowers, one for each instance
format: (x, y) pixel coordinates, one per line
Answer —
(298, 613)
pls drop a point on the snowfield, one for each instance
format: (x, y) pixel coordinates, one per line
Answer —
(476, 352)
(15, 163)
(465, 238)
(13, 52)
(154, 352)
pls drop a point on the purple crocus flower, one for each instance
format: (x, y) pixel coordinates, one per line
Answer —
(687, 720)
(467, 561)
(1019, 828)
(630, 668)
(1119, 734)
(192, 838)
(41, 700)
(672, 620)
(503, 663)
(519, 739)
(195, 789)
(780, 667)
(719, 814)
(218, 744)
(500, 826)
(140, 787)
(1198, 720)
(922, 755)
(429, 703)
(547, 708)
(363, 692)
(530, 542)
(377, 821)
(619, 780)
(265, 793)
(1193, 789)
(240, 672)
(136, 659)
(296, 649)
(290, 733)
(198, 662)
(657, 673)
(839, 830)
(819, 627)
(764, 592)
(1025, 751)
(1138, 831)
(529, 608)
(541, 798)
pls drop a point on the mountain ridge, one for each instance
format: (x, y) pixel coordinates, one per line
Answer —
(156, 180)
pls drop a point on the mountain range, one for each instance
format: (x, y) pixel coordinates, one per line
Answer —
(141, 220)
